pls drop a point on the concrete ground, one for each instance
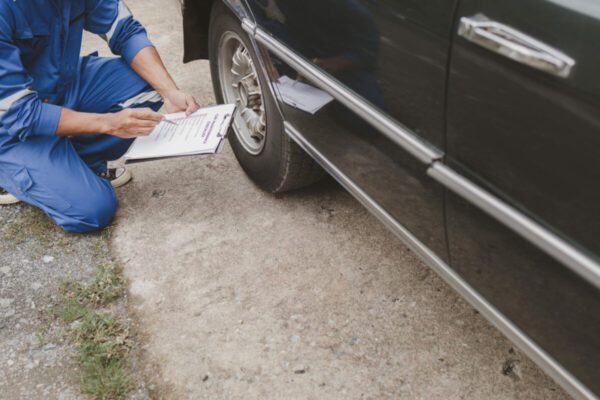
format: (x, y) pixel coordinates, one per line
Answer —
(242, 295)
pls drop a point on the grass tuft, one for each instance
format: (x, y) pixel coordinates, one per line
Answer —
(104, 346)
(103, 343)
(106, 287)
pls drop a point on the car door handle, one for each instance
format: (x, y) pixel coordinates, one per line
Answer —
(516, 45)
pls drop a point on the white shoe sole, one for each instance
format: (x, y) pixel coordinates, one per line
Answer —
(123, 179)
(8, 199)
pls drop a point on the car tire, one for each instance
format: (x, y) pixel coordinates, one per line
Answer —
(276, 164)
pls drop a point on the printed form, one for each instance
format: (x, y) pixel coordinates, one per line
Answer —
(202, 132)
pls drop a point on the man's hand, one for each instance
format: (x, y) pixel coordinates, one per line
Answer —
(177, 101)
(132, 122)
(149, 66)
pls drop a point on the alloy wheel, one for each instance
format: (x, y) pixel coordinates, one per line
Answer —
(240, 85)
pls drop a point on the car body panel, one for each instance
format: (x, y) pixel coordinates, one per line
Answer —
(196, 18)
(531, 139)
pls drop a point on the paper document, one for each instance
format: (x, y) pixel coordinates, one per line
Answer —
(202, 132)
(302, 96)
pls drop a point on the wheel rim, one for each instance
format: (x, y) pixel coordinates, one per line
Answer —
(240, 85)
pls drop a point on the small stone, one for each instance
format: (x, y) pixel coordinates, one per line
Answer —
(10, 363)
(5, 270)
(157, 193)
(511, 368)
(5, 303)
(300, 369)
(36, 285)
(75, 324)
(47, 259)
(295, 338)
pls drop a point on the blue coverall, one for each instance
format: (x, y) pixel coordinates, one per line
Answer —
(41, 71)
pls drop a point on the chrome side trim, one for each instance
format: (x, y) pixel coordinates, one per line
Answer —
(239, 8)
(399, 134)
(547, 241)
(541, 237)
(248, 26)
(570, 256)
(503, 324)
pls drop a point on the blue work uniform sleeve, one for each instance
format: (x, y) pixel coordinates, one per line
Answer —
(112, 20)
(22, 113)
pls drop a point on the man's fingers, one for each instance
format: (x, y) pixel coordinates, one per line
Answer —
(192, 106)
(147, 113)
(141, 131)
(146, 123)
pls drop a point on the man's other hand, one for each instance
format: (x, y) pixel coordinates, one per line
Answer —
(177, 101)
(132, 122)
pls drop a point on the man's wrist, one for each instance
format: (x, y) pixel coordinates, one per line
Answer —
(166, 92)
(103, 122)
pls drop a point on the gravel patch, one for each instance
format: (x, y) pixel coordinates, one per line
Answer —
(36, 355)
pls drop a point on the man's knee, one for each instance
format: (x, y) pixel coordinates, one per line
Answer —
(93, 213)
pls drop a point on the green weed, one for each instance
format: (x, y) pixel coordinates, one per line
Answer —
(106, 287)
(103, 343)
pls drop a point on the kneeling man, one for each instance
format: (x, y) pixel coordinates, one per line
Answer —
(62, 116)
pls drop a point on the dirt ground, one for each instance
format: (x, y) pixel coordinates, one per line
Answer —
(243, 295)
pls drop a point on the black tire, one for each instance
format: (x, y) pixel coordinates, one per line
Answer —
(281, 165)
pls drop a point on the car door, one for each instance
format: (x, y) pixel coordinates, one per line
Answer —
(384, 62)
(523, 125)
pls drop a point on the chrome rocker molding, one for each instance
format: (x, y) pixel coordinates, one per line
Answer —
(548, 242)
(536, 234)
(386, 125)
(503, 324)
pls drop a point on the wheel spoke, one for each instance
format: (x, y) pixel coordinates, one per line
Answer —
(241, 85)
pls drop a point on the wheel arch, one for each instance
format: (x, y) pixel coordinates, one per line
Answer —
(196, 18)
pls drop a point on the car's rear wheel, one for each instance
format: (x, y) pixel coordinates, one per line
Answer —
(271, 159)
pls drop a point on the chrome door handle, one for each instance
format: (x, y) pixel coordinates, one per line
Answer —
(516, 45)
